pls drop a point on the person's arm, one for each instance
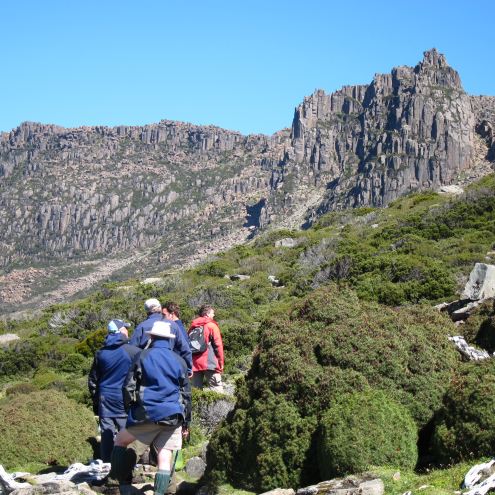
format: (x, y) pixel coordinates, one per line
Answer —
(136, 336)
(182, 347)
(217, 344)
(186, 398)
(93, 379)
(132, 382)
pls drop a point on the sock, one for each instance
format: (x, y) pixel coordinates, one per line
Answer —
(162, 479)
(123, 461)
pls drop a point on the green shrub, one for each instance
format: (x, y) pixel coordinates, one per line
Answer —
(327, 345)
(364, 429)
(479, 328)
(74, 363)
(20, 388)
(217, 268)
(43, 378)
(264, 447)
(44, 427)
(465, 427)
(91, 343)
(404, 351)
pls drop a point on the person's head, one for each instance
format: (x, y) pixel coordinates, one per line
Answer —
(116, 326)
(171, 310)
(161, 331)
(152, 306)
(206, 310)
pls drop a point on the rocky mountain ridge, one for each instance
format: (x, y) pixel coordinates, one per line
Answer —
(163, 194)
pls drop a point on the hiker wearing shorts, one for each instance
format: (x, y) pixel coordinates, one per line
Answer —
(158, 397)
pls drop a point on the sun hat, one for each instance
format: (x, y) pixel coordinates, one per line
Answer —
(161, 329)
(114, 326)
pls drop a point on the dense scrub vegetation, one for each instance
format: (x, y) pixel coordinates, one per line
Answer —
(466, 423)
(350, 311)
(365, 429)
(44, 428)
(326, 346)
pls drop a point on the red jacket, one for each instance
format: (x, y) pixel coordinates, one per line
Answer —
(212, 358)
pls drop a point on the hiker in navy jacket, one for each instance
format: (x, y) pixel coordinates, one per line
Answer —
(157, 394)
(109, 370)
(171, 311)
(180, 344)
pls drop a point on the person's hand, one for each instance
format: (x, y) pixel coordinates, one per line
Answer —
(185, 433)
(190, 375)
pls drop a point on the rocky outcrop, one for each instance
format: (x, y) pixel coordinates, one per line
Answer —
(414, 128)
(351, 485)
(173, 189)
(481, 283)
(479, 288)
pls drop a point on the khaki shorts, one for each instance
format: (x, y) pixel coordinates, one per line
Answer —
(162, 436)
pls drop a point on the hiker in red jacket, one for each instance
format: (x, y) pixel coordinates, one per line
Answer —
(207, 348)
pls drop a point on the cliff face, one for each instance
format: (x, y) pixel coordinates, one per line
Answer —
(171, 189)
(412, 129)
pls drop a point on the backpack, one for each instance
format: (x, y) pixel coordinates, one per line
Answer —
(197, 340)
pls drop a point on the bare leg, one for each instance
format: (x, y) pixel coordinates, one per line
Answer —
(165, 459)
(123, 438)
(162, 478)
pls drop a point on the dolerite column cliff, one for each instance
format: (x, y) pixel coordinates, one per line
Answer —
(174, 189)
(97, 191)
(412, 129)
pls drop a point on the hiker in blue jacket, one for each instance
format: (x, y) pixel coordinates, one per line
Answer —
(180, 343)
(109, 370)
(157, 394)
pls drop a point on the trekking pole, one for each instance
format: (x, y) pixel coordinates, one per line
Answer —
(172, 470)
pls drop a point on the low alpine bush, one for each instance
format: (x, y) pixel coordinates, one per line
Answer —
(325, 346)
(44, 427)
(364, 429)
(465, 427)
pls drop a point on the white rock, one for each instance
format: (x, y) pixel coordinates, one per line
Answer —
(8, 483)
(475, 474)
(471, 353)
(7, 338)
(481, 284)
(287, 242)
(455, 190)
(151, 280)
(280, 491)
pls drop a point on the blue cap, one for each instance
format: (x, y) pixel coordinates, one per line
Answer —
(114, 326)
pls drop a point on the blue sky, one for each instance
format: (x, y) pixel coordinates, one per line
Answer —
(241, 65)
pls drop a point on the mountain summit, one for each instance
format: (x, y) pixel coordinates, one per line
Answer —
(81, 205)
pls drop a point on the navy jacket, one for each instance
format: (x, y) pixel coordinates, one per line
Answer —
(180, 344)
(183, 329)
(108, 373)
(157, 386)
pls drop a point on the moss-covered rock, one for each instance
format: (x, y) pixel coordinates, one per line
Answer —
(364, 429)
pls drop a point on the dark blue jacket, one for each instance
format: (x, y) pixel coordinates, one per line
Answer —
(183, 329)
(180, 344)
(108, 373)
(157, 386)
